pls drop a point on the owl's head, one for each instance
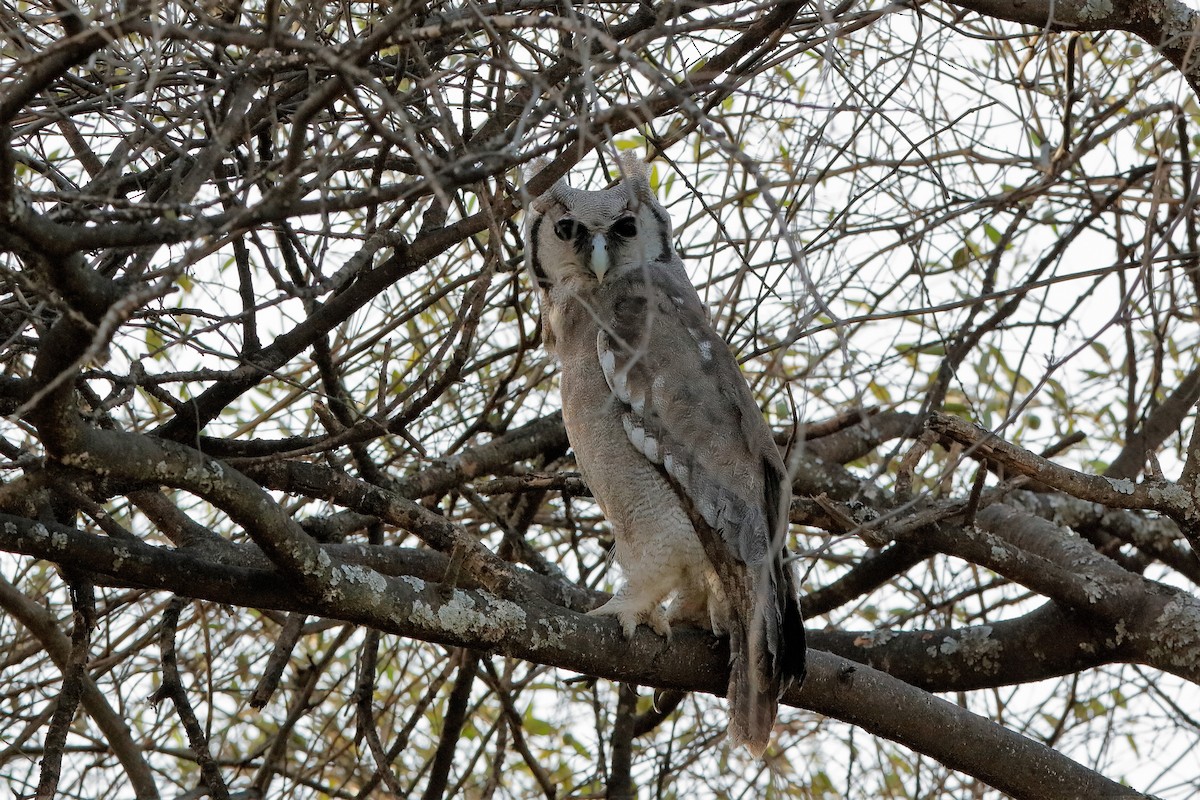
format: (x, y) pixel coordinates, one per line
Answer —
(594, 235)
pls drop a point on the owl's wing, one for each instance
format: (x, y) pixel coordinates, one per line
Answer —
(688, 408)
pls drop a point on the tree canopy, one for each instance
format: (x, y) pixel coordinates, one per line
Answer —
(287, 508)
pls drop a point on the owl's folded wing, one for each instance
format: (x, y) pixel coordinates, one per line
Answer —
(688, 408)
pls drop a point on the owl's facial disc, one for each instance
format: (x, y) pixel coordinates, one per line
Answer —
(591, 246)
(600, 237)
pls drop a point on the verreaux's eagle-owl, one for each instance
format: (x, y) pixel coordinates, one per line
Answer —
(664, 428)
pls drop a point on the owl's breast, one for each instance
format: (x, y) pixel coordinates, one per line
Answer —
(650, 525)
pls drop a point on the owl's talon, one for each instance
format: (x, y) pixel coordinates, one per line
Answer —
(627, 621)
(629, 618)
(658, 622)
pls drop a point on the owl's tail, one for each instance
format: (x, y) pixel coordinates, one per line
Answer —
(767, 656)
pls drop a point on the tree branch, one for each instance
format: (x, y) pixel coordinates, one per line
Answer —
(1169, 26)
(691, 661)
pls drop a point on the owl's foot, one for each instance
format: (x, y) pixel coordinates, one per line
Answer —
(630, 616)
(688, 610)
(694, 605)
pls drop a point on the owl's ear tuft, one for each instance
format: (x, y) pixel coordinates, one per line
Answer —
(541, 204)
(632, 166)
(560, 191)
(556, 194)
(634, 170)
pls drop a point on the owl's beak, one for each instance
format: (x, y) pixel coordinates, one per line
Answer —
(599, 256)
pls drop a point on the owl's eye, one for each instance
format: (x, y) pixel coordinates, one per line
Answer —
(566, 229)
(625, 227)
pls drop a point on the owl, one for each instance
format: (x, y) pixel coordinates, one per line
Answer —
(669, 439)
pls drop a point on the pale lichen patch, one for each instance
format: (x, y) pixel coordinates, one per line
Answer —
(875, 638)
(463, 616)
(1122, 485)
(1179, 20)
(77, 459)
(979, 649)
(422, 614)
(1122, 633)
(555, 631)
(1175, 638)
(353, 573)
(1171, 495)
(1093, 589)
(416, 583)
(861, 512)
(974, 646)
(1093, 10)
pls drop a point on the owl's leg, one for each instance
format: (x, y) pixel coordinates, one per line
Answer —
(718, 616)
(690, 607)
(701, 609)
(658, 621)
(715, 603)
(631, 606)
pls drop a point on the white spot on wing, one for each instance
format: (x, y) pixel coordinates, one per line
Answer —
(650, 449)
(643, 442)
(676, 468)
(638, 402)
(608, 365)
(635, 432)
(608, 361)
(620, 385)
(706, 351)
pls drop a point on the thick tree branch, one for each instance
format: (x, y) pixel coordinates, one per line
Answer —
(1153, 494)
(1169, 26)
(691, 661)
(1044, 643)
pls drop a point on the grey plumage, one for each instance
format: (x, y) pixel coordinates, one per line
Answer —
(669, 438)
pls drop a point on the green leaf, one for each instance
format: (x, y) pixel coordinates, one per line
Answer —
(154, 343)
(535, 726)
(961, 258)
